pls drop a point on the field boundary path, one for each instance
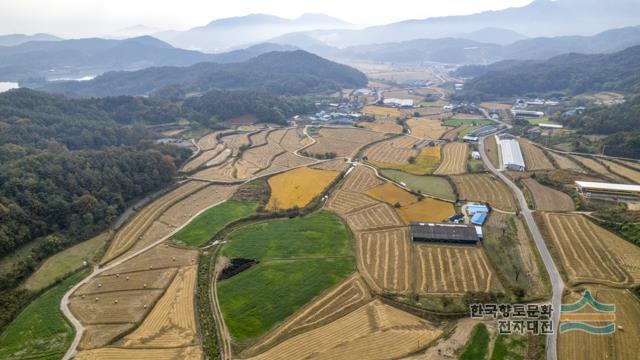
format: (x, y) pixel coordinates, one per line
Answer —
(557, 284)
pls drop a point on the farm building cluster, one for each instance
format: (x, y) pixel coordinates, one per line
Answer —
(446, 233)
(608, 190)
(512, 159)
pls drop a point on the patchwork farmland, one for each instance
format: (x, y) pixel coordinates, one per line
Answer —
(344, 142)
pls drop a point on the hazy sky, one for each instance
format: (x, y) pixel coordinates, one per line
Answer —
(76, 18)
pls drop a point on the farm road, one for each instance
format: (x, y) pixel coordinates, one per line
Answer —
(554, 276)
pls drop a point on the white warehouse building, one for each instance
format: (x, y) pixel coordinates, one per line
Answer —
(512, 159)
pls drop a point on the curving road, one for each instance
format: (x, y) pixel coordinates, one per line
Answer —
(557, 285)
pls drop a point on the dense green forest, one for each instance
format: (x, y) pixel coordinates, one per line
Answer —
(571, 74)
(621, 122)
(280, 73)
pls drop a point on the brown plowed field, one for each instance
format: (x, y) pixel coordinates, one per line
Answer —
(534, 157)
(380, 215)
(190, 352)
(384, 258)
(342, 141)
(585, 250)
(455, 159)
(453, 270)
(426, 128)
(397, 150)
(361, 179)
(622, 344)
(548, 199)
(344, 202)
(485, 188)
(172, 322)
(564, 162)
(127, 236)
(222, 172)
(373, 331)
(337, 301)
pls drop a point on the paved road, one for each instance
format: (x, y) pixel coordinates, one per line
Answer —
(557, 284)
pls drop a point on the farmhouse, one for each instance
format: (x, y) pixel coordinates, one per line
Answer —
(589, 189)
(512, 159)
(442, 232)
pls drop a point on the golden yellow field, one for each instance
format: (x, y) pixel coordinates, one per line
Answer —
(383, 125)
(426, 128)
(426, 210)
(373, 331)
(296, 188)
(384, 259)
(391, 194)
(382, 111)
(454, 159)
(453, 269)
(426, 161)
(622, 344)
(191, 352)
(485, 188)
(589, 253)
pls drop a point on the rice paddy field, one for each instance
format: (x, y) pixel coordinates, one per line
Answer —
(426, 128)
(296, 188)
(382, 111)
(409, 207)
(425, 163)
(429, 185)
(383, 125)
(298, 260)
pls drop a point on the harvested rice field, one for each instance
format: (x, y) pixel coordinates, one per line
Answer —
(360, 179)
(397, 150)
(384, 259)
(296, 188)
(623, 171)
(436, 186)
(377, 216)
(344, 142)
(535, 159)
(485, 188)
(382, 111)
(373, 331)
(383, 125)
(564, 162)
(425, 163)
(427, 209)
(391, 194)
(426, 128)
(546, 198)
(454, 160)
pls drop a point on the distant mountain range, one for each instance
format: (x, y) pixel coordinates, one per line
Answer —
(539, 18)
(17, 39)
(282, 72)
(224, 34)
(569, 73)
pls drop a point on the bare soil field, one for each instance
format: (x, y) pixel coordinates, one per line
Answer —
(344, 202)
(622, 344)
(334, 303)
(383, 125)
(485, 188)
(623, 171)
(172, 322)
(534, 157)
(548, 199)
(361, 179)
(396, 150)
(342, 141)
(426, 128)
(294, 188)
(373, 331)
(384, 258)
(564, 162)
(377, 216)
(130, 233)
(453, 270)
(454, 160)
(404, 94)
(586, 251)
(109, 353)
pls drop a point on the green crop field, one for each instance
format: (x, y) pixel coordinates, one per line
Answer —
(471, 122)
(40, 331)
(428, 185)
(65, 262)
(478, 345)
(202, 228)
(298, 259)
(542, 120)
(511, 347)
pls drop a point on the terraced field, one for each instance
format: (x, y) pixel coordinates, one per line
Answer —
(485, 188)
(623, 171)
(383, 125)
(548, 199)
(382, 111)
(453, 270)
(384, 259)
(564, 162)
(426, 128)
(454, 159)
(534, 157)
(397, 150)
(342, 141)
(589, 253)
(373, 331)
(424, 163)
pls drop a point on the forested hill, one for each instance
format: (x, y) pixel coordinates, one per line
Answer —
(284, 73)
(571, 73)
